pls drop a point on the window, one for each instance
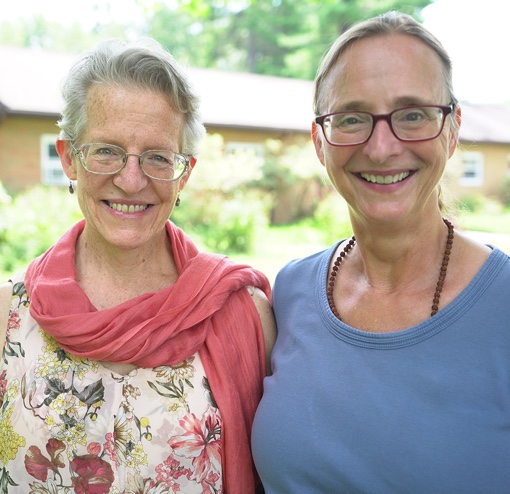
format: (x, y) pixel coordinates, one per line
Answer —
(245, 147)
(51, 169)
(472, 169)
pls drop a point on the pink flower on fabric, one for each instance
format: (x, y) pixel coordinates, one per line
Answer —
(94, 448)
(169, 471)
(14, 320)
(201, 441)
(38, 465)
(95, 476)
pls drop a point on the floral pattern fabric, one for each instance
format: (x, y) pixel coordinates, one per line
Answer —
(70, 425)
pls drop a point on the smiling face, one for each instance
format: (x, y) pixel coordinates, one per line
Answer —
(127, 210)
(386, 179)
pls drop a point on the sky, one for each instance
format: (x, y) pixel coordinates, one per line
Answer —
(476, 35)
(474, 32)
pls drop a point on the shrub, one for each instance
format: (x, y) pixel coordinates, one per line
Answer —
(219, 208)
(32, 222)
(221, 222)
(332, 218)
(471, 203)
(504, 193)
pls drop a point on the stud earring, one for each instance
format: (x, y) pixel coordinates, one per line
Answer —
(178, 201)
(71, 187)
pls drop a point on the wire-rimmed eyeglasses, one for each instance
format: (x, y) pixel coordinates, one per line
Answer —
(107, 159)
(409, 124)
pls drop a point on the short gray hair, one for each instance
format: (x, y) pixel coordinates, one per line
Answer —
(142, 64)
(392, 22)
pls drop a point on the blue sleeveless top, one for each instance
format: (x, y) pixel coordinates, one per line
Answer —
(423, 410)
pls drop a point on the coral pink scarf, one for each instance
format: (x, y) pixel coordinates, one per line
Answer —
(206, 310)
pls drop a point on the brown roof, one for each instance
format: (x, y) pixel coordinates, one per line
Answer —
(485, 123)
(229, 99)
(31, 82)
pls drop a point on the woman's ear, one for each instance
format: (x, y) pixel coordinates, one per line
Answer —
(318, 141)
(68, 165)
(184, 179)
(454, 132)
(192, 163)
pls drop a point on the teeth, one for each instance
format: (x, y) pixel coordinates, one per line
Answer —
(385, 179)
(124, 208)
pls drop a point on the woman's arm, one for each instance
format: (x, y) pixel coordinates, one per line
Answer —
(5, 302)
(268, 322)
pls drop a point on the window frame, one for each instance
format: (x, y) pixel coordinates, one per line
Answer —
(473, 162)
(51, 168)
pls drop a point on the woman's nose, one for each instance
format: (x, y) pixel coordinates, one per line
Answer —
(131, 178)
(382, 143)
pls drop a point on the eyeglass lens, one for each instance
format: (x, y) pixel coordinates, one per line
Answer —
(108, 159)
(408, 124)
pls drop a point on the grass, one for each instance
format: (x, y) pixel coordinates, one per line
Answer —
(490, 226)
(486, 221)
(279, 245)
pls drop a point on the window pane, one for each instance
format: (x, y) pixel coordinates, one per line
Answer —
(51, 169)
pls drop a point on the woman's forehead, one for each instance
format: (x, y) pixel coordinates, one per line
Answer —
(392, 69)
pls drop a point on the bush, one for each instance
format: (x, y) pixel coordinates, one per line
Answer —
(332, 218)
(235, 227)
(219, 209)
(32, 222)
(483, 205)
(222, 223)
(471, 203)
(504, 193)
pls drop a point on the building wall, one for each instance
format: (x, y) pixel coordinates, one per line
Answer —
(495, 169)
(497, 161)
(20, 150)
(20, 154)
(255, 136)
(20, 146)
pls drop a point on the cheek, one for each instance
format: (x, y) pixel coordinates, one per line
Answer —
(442, 150)
(167, 192)
(337, 158)
(89, 185)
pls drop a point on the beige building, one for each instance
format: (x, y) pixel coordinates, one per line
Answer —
(482, 162)
(245, 109)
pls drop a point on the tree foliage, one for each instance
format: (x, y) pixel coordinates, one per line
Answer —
(273, 37)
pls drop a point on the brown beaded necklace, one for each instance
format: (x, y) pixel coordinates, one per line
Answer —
(440, 280)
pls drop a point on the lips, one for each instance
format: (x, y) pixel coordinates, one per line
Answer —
(385, 179)
(128, 208)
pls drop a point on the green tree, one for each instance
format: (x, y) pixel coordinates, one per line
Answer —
(58, 35)
(273, 37)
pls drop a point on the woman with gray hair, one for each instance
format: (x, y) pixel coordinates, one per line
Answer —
(391, 370)
(132, 362)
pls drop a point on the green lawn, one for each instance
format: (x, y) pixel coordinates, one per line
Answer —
(490, 221)
(278, 245)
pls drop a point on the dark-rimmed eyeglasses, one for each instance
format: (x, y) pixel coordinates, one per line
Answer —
(108, 159)
(409, 124)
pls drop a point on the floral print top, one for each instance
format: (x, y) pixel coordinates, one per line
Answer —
(70, 425)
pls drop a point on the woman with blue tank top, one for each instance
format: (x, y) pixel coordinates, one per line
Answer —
(391, 370)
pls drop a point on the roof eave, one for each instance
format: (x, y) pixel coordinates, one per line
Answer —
(260, 128)
(465, 140)
(31, 113)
